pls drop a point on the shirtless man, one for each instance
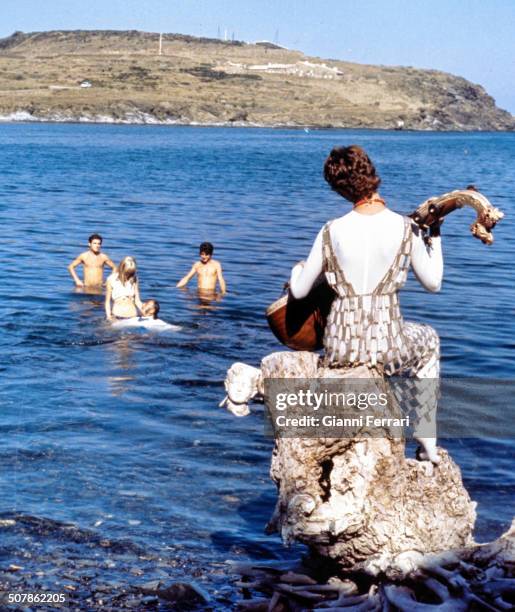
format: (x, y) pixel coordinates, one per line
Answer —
(208, 271)
(93, 261)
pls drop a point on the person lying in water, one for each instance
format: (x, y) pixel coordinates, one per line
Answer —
(93, 262)
(122, 299)
(208, 271)
(148, 320)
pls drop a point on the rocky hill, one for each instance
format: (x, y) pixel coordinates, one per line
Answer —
(121, 76)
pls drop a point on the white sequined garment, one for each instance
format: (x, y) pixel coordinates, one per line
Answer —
(365, 324)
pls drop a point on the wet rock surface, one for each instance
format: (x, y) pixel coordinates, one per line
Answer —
(44, 556)
(480, 577)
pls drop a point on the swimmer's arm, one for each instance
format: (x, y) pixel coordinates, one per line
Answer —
(219, 276)
(137, 299)
(108, 301)
(185, 280)
(427, 262)
(303, 276)
(71, 269)
(108, 262)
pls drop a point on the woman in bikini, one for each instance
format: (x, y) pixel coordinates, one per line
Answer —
(122, 291)
(365, 255)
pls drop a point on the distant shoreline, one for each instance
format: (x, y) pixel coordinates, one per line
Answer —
(148, 120)
(121, 77)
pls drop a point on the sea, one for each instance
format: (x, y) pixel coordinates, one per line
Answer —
(118, 465)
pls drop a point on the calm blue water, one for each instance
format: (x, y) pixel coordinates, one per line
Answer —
(119, 434)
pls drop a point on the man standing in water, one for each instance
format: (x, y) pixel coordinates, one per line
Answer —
(208, 271)
(93, 261)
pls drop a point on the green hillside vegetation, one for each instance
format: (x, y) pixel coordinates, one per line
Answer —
(208, 81)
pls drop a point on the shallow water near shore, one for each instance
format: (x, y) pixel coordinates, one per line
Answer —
(113, 445)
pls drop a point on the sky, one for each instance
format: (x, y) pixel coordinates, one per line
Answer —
(471, 38)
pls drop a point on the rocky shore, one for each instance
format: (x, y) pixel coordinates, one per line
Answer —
(122, 77)
(90, 572)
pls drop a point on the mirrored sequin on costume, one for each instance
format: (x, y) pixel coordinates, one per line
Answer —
(369, 328)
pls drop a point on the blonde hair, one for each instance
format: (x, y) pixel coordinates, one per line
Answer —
(127, 270)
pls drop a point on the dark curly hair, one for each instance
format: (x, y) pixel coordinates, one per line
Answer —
(206, 247)
(349, 172)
